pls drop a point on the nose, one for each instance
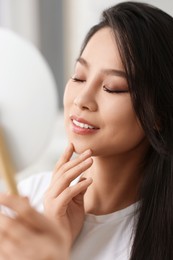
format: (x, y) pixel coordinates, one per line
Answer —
(86, 100)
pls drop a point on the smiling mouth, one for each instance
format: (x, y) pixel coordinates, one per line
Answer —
(82, 125)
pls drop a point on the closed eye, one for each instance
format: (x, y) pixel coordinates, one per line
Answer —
(117, 91)
(77, 79)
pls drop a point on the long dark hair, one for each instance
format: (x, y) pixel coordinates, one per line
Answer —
(144, 35)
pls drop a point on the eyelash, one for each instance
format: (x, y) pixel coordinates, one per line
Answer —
(77, 80)
(114, 91)
(104, 87)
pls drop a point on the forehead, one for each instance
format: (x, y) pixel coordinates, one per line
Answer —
(102, 48)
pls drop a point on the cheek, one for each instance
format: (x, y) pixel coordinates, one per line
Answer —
(118, 112)
(123, 126)
(123, 120)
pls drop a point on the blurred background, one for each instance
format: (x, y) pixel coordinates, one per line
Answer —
(56, 28)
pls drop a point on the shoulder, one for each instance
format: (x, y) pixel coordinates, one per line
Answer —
(34, 188)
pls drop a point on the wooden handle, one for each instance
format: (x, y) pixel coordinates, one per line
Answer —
(6, 169)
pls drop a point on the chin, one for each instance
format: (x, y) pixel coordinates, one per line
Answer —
(80, 148)
(80, 145)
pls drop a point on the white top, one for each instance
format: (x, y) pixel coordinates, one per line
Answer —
(105, 237)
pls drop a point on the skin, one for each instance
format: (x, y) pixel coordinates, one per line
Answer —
(109, 160)
(29, 234)
(112, 113)
(119, 145)
(63, 203)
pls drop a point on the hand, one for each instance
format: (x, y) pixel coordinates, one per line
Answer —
(29, 234)
(62, 202)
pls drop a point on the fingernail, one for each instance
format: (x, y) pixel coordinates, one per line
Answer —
(68, 148)
(89, 160)
(87, 152)
(89, 180)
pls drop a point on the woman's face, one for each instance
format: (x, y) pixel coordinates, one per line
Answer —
(97, 104)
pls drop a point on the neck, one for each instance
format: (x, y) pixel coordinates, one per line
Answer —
(115, 184)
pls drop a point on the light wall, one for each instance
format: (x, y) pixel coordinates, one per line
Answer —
(16, 15)
(40, 22)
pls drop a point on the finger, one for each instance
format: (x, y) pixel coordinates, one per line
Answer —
(69, 194)
(10, 250)
(11, 228)
(65, 157)
(25, 213)
(78, 197)
(71, 164)
(67, 166)
(4, 255)
(59, 186)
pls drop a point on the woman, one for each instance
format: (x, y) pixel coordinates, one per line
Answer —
(119, 119)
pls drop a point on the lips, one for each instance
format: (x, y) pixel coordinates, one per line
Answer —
(80, 122)
(82, 127)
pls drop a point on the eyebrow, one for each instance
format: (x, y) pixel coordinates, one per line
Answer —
(114, 72)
